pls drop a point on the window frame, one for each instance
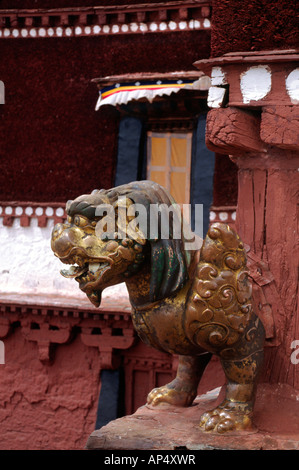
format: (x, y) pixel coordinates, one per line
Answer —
(168, 168)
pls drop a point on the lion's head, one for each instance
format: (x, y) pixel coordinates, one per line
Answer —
(101, 257)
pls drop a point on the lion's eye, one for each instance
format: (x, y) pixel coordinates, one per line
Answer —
(80, 221)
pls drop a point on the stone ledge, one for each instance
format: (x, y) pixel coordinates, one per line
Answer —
(170, 428)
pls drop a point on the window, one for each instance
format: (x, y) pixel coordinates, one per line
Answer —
(176, 157)
(169, 162)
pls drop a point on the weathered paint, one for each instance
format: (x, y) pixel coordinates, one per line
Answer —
(292, 86)
(218, 77)
(255, 83)
(216, 96)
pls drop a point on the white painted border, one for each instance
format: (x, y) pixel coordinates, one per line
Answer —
(96, 30)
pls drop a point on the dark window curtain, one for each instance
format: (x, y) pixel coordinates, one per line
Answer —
(130, 154)
(202, 175)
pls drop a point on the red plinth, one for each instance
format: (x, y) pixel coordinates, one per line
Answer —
(168, 428)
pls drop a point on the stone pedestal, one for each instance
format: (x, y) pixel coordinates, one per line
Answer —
(172, 428)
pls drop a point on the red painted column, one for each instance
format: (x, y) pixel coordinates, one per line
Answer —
(255, 121)
(267, 219)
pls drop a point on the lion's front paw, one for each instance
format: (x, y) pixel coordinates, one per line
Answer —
(226, 418)
(172, 394)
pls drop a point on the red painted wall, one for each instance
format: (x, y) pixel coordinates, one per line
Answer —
(54, 146)
(42, 407)
(253, 25)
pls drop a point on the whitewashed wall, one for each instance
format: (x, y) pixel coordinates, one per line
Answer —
(28, 265)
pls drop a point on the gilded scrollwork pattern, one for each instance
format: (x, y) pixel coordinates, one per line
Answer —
(219, 309)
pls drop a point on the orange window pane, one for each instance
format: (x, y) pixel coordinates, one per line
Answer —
(178, 187)
(158, 177)
(178, 152)
(159, 149)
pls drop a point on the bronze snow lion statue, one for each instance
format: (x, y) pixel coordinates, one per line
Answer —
(193, 303)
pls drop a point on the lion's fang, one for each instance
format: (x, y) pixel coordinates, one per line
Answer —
(73, 271)
(94, 267)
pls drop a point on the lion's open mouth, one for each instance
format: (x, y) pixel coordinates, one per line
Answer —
(85, 272)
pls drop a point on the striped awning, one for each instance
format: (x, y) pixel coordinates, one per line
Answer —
(123, 92)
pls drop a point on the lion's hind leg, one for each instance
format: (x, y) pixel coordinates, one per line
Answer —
(183, 389)
(235, 412)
